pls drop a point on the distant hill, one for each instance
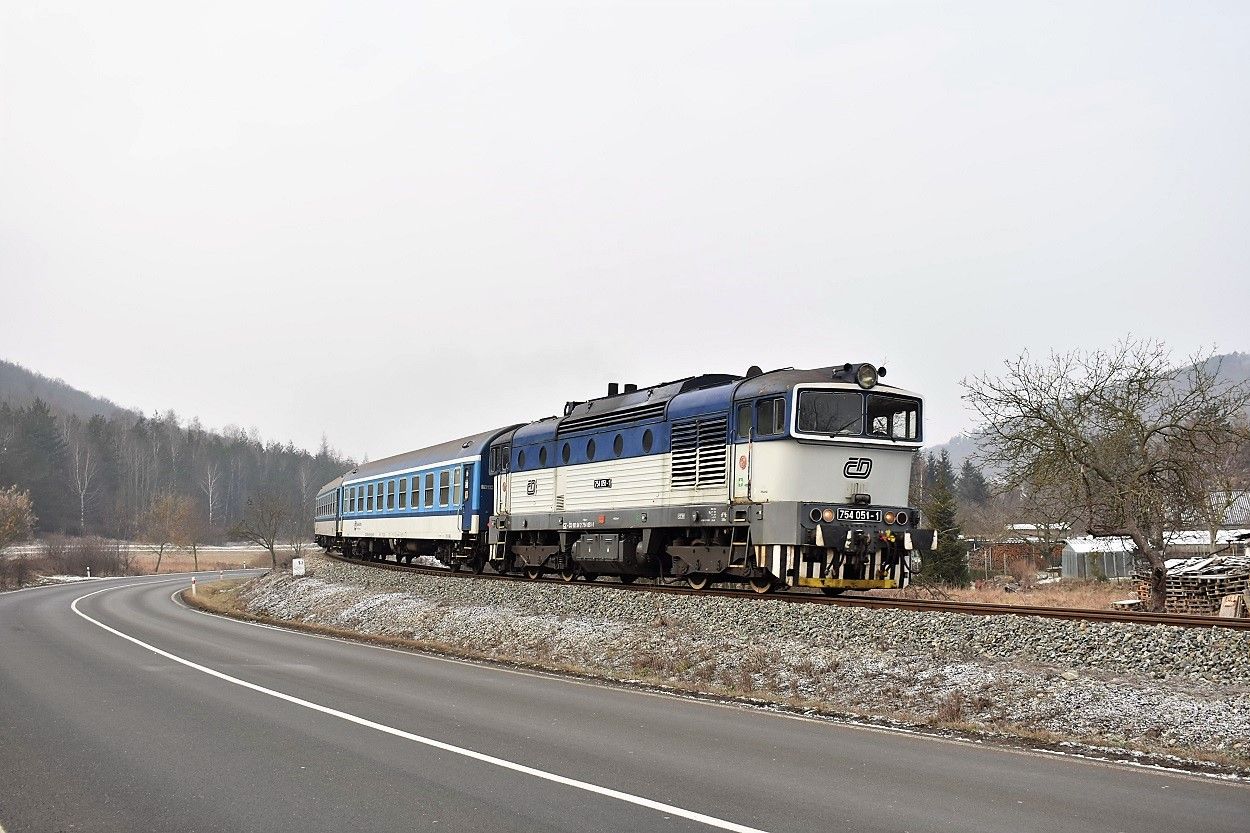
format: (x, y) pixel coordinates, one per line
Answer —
(93, 467)
(19, 387)
(1234, 368)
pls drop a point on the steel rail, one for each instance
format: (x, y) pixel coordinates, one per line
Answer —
(871, 602)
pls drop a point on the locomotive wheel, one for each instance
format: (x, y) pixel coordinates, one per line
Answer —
(455, 566)
(478, 565)
(699, 581)
(833, 591)
(628, 579)
(533, 573)
(568, 574)
(762, 584)
(590, 576)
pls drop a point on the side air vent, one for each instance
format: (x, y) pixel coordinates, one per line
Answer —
(699, 451)
(653, 410)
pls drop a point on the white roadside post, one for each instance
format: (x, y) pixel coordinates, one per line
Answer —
(88, 571)
(192, 585)
(297, 566)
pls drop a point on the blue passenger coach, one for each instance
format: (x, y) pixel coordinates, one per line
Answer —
(433, 501)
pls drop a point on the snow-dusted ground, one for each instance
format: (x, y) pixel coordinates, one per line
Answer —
(1159, 687)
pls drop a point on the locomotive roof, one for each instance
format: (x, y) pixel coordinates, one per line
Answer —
(780, 381)
(642, 405)
(678, 399)
(473, 445)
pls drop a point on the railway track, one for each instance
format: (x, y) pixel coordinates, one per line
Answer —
(875, 602)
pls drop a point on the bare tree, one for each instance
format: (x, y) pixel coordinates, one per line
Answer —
(191, 531)
(85, 468)
(209, 476)
(1118, 433)
(17, 516)
(163, 523)
(17, 524)
(266, 517)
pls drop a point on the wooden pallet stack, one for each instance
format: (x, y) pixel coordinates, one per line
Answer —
(1198, 585)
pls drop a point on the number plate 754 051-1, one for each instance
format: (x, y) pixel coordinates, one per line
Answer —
(859, 515)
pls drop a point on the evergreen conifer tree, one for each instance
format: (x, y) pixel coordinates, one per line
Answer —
(948, 564)
(972, 488)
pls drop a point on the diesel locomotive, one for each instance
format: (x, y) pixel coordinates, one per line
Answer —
(777, 479)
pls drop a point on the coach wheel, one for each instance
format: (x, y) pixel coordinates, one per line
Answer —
(628, 579)
(833, 591)
(699, 581)
(533, 573)
(568, 573)
(762, 584)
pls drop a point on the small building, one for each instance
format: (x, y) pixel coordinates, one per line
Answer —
(1089, 557)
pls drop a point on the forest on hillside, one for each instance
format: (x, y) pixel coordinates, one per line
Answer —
(117, 475)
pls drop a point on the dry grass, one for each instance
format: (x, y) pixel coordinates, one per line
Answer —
(1068, 593)
(179, 561)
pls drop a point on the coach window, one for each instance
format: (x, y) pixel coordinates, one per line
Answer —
(390, 494)
(403, 493)
(416, 491)
(590, 449)
(770, 417)
(429, 490)
(455, 487)
(648, 440)
(618, 445)
(744, 422)
(369, 504)
(444, 484)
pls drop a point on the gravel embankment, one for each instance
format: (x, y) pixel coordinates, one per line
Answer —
(1155, 687)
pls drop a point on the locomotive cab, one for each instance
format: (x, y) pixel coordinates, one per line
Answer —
(822, 464)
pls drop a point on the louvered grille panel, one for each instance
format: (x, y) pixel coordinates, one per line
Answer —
(636, 414)
(699, 451)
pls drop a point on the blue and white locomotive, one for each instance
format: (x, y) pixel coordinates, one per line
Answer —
(792, 477)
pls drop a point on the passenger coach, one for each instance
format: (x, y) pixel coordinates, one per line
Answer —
(435, 501)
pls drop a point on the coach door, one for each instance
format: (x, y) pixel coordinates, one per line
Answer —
(468, 498)
(740, 464)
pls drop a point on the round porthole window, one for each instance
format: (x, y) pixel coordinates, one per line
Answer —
(520, 459)
(542, 456)
(648, 439)
(618, 445)
(565, 452)
(590, 449)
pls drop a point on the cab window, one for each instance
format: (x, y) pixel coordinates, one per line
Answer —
(744, 422)
(770, 417)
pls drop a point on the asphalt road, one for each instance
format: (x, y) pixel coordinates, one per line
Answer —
(121, 710)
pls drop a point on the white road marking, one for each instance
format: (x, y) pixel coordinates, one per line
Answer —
(586, 786)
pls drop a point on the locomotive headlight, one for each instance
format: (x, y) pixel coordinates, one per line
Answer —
(866, 375)
(827, 516)
(889, 517)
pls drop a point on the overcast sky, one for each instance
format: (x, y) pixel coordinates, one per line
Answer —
(397, 223)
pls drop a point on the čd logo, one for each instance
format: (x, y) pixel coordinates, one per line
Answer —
(857, 468)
